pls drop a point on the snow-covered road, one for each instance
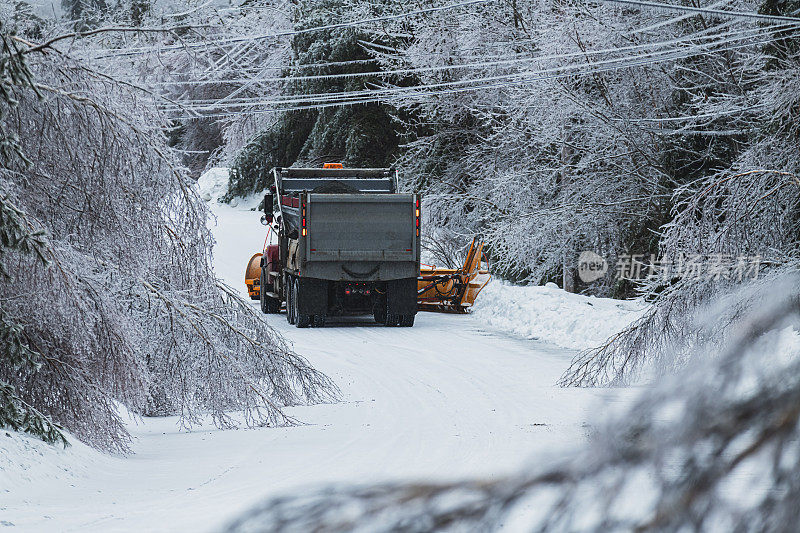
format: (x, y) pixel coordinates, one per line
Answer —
(442, 399)
(445, 398)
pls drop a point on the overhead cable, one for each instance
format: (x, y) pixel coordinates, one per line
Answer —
(705, 10)
(123, 52)
(532, 77)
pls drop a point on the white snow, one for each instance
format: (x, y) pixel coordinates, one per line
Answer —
(450, 397)
(550, 314)
(213, 184)
(237, 228)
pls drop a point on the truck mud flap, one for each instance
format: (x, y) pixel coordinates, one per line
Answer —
(401, 295)
(312, 296)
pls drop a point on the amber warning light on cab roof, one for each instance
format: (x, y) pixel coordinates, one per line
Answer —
(332, 165)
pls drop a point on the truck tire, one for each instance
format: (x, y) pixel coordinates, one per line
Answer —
(301, 320)
(269, 305)
(261, 294)
(392, 320)
(273, 306)
(318, 321)
(290, 307)
(401, 302)
(406, 321)
(379, 311)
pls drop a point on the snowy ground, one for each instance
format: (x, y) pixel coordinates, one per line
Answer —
(454, 396)
(547, 313)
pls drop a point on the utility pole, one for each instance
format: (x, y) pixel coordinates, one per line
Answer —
(568, 271)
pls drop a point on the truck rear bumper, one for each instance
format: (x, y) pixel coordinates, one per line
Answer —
(360, 270)
(324, 297)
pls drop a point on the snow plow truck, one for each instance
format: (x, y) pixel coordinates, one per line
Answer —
(347, 243)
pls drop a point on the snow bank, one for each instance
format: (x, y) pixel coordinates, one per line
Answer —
(550, 314)
(213, 185)
(27, 463)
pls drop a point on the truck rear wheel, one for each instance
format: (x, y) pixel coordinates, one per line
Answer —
(269, 304)
(379, 311)
(301, 320)
(318, 321)
(401, 302)
(392, 320)
(406, 321)
(290, 301)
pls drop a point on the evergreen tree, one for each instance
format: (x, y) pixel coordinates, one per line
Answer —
(138, 10)
(84, 14)
(362, 135)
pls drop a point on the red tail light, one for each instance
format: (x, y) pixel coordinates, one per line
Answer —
(417, 214)
(303, 208)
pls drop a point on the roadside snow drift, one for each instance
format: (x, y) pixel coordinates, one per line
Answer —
(552, 315)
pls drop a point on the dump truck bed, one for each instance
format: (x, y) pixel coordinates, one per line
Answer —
(360, 237)
(358, 228)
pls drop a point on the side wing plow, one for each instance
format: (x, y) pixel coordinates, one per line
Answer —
(453, 290)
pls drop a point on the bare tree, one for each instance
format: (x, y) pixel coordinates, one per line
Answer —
(742, 218)
(129, 310)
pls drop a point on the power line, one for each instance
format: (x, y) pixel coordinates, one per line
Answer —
(352, 94)
(123, 52)
(673, 20)
(691, 118)
(350, 97)
(379, 96)
(701, 35)
(379, 58)
(705, 10)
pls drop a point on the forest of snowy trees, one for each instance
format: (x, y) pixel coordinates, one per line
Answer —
(667, 131)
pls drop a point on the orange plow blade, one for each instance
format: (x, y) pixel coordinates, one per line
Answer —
(454, 290)
(252, 277)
